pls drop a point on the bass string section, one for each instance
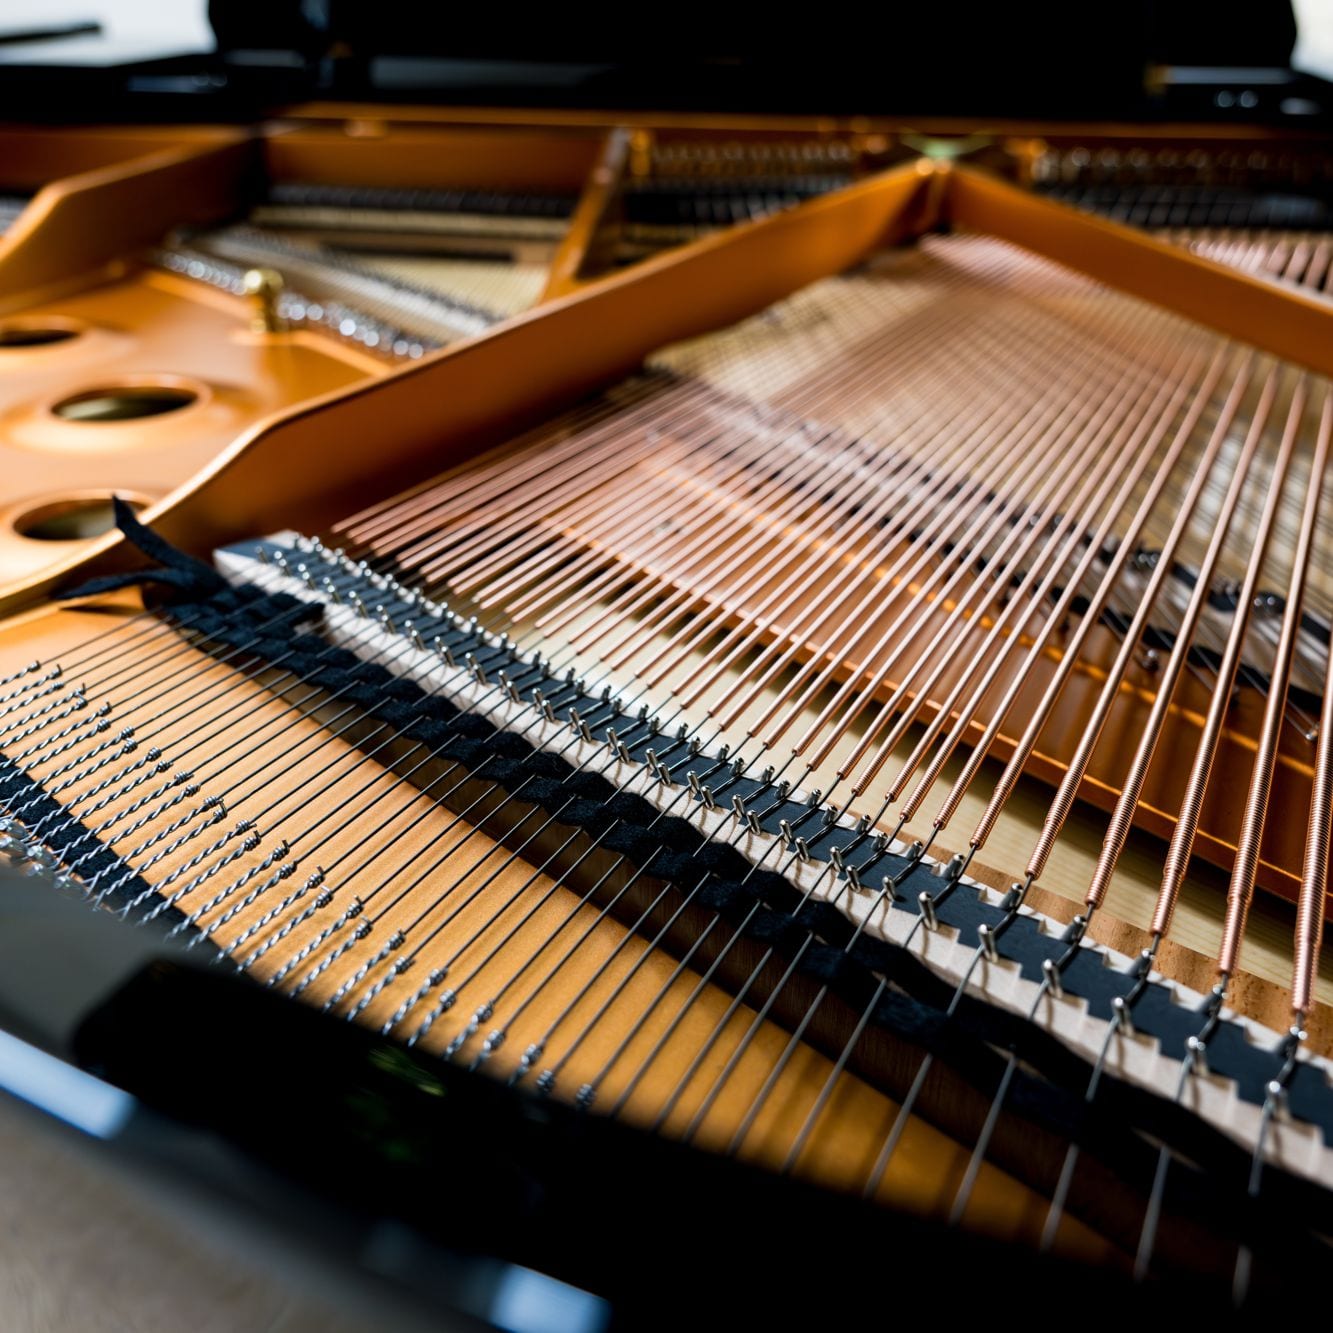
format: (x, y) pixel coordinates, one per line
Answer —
(286, 817)
(408, 836)
(589, 764)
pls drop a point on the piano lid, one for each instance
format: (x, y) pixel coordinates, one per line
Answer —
(1143, 60)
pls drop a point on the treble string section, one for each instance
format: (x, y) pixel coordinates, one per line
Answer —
(395, 880)
(745, 822)
(583, 728)
(1244, 874)
(325, 700)
(381, 846)
(224, 719)
(609, 1008)
(1131, 786)
(351, 805)
(161, 713)
(1101, 490)
(373, 740)
(123, 643)
(1187, 820)
(126, 652)
(448, 999)
(488, 951)
(231, 720)
(470, 1029)
(485, 1010)
(49, 682)
(153, 693)
(1014, 900)
(415, 933)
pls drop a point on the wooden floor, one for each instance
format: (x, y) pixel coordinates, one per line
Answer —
(88, 1247)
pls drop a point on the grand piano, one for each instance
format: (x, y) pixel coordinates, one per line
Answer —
(580, 474)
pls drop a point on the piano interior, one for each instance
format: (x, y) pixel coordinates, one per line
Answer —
(802, 641)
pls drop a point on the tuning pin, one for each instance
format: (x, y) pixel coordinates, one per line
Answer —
(264, 286)
(1051, 973)
(987, 937)
(926, 904)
